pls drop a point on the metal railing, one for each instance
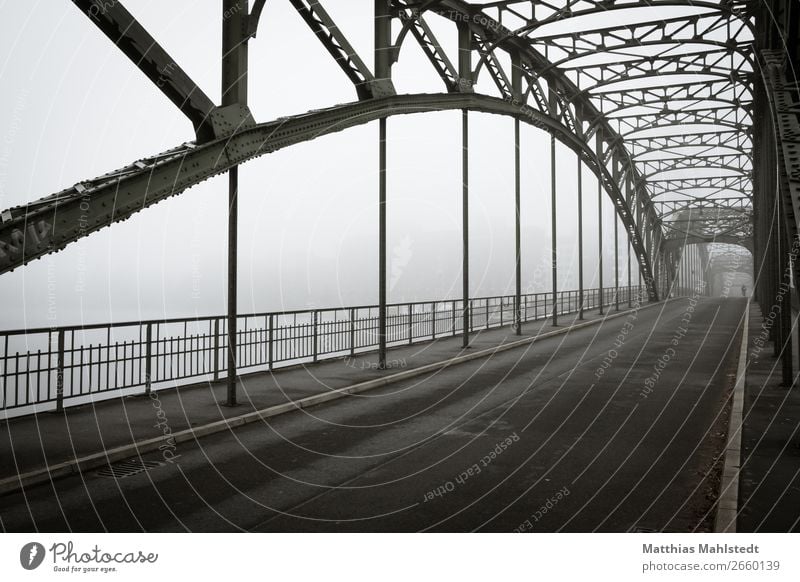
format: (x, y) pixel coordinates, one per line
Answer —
(78, 364)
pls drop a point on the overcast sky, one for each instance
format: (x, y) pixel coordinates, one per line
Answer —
(73, 107)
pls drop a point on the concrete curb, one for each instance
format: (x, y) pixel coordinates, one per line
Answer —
(94, 461)
(728, 501)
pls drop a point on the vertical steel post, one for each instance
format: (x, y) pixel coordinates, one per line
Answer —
(615, 215)
(518, 224)
(148, 380)
(271, 344)
(616, 262)
(234, 91)
(516, 87)
(382, 248)
(233, 210)
(465, 223)
(599, 147)
(383, 72)
(465, 74)
(580, 238)
(684, 271)
(216, 349)
(785, 300)
(315, 332)
(630, 277)
(410, 324)
(553, 227)
(59, 372)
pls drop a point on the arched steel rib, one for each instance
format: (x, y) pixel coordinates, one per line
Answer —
(42, 227)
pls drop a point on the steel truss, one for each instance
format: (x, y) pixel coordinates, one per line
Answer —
(661, 109)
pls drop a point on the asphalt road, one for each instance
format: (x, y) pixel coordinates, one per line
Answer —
(534, 439)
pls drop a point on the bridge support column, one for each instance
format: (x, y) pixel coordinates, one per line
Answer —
(685, 270)
(465, 225)
(615, 214)
(382, 246)
(600, 223)
(580, 238)
(785, 322)
(516, 87)
(630, 277)
(600, 246)
(234, 91)
(517, 223)
(383, 72)
(616, 262)
(554, 226)
(233, 264)
(465, 74)
(683, 285)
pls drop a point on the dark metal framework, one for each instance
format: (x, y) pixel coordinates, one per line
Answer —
(661, 99)
(776, 177)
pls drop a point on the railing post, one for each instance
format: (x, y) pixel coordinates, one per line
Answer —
(352, 331)
(487, 313)
(433, 320)
(471, 308)
(410, 324)
(271, 341)
(501, 312)
(453, 316)
(216, 349)
(60, 373)
(315, 319)
(148, 380)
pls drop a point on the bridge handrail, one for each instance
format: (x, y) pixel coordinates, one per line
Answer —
(79, 362)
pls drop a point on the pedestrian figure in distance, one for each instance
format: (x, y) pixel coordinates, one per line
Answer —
(744, 291)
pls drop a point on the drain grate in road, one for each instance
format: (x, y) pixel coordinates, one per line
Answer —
(127, 468)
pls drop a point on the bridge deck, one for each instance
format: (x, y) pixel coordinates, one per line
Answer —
(533, 439)
(33, 442)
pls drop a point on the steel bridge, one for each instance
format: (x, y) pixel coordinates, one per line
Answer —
(687, 113)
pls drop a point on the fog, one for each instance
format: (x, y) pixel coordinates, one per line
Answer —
(74, 107)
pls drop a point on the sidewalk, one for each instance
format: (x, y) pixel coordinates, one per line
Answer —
(769, 487)
(46, 439)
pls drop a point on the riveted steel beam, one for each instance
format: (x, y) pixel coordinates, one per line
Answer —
(39, 228)
(130, 37)
(336, 43)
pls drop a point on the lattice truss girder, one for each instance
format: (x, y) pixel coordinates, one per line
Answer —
(642, 148)
(708, 222)
(729, 258)
(690, 94)
(617, 94)
(715, 46)
(784, 103)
